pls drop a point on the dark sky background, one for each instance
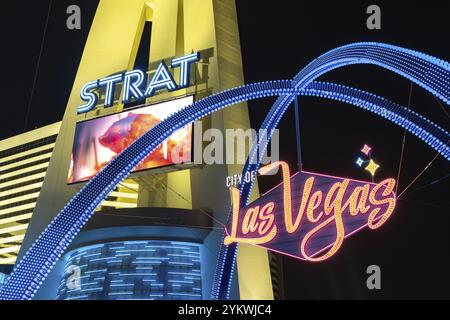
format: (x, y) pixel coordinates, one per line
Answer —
(278, 38)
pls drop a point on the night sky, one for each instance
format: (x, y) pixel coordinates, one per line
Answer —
(278, 38)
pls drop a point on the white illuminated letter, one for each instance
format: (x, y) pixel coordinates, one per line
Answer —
(110, 83)
(185, 63)
(90, 97)
(131, 83)
(161, 79)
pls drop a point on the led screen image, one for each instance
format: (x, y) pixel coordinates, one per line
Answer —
(99, 140)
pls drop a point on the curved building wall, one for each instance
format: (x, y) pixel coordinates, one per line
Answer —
(151, 270)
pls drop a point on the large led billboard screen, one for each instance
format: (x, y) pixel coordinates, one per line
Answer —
(99, 140)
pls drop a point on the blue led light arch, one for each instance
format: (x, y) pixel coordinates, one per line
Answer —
(430, 73)
(433, 135)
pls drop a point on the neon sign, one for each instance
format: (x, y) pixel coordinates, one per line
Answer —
(31, 271)
(309, 215)
(133, 80)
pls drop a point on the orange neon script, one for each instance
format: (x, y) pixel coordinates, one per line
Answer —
(309, 215)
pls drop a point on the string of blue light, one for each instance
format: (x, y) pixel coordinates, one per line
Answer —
(430, 73)
(31, 271)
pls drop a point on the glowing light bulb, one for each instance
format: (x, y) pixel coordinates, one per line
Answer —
(359, 162)
(366, 149)
(372, 167)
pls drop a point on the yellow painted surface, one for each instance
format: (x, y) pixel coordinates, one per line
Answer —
(21, 189)
(25, 153)
(111, 47)
(10, 260)
(15, 218)
(179, 26)
(19, 198)
(15, 228)
(21, 168)
(9, 249)
(13, 209)
(24, 179)
(26, 161)
(179, 193)
(124, 195)
(118, 204)
(28, 136)
(24, 170)
(164, 29)
(11, 239)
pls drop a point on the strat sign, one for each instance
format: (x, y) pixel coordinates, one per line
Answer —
(133, 80)
(309, 215)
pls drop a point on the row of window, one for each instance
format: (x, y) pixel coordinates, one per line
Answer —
(5, 256)
(6, 235)
(28, 156)
(23, 166)
(23, 175)
(18, 203)
(16, 213)
(19, 194)
(28, 146)
(22, 184)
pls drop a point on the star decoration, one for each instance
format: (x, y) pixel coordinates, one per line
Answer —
(359, 161)
(372, 167)
(366, 149)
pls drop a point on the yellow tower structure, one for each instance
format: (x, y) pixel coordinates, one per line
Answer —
(178, 27)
